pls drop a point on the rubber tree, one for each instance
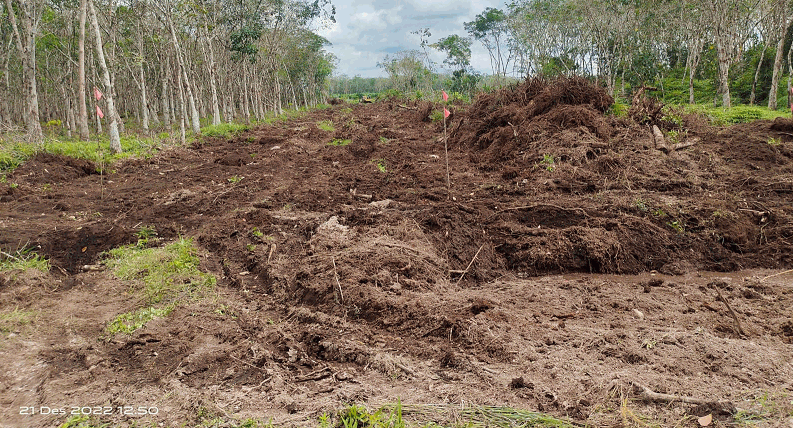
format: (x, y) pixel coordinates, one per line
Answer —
(115, 138)
(782, 20)
(26, 44)
(490, 28)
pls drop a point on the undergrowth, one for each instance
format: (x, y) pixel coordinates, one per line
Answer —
(223, 130)
(23, 260)
(163, 277)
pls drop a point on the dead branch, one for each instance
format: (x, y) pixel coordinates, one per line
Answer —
(686, 144)
(651, 395)
(469, 265)
(336, 275)
(732, 313)
(406, 107)
(777, 274)
(660, 141)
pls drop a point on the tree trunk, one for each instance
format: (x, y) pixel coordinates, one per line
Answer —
(82, 116)
(212, 86)
(166, 111)
(753, 93)
(115, 139)
(143, 100)
(182, 108)
(27, 49)
(724, 75)
(196, 124)
(776, 74)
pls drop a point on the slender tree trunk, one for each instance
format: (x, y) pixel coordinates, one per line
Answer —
(166, 111)
(182, 108)
(196, 124)
(753, 93)
(143, 100)
(82, 116)
(5, 111)
(212, 86)
(115, 139)
(776, 74)
(246, 108)
(724, 75)
(27, 50)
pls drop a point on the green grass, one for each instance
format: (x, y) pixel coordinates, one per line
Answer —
(224, 130)
(164, 277)
(11, 320)
(14, 153)
(738, 114)
(339, 142)
(23, 260)
(326, 125)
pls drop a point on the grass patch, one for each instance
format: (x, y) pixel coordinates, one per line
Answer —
(223, 130)
(326, 125)
(11, 320)
(339, 142)
(738, 114)
(164, 277)
(23, 260)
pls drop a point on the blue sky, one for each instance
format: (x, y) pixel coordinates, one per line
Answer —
(366, 31)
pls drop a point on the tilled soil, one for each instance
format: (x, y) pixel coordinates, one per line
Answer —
(568, 264)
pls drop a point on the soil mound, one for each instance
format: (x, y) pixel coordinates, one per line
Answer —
(49, 168)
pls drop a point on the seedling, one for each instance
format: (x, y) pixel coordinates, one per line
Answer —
(256, 232)
(339, 142)
(380, 163)
(549, 162)
(774, 141)
(236, 179)
(326, 125)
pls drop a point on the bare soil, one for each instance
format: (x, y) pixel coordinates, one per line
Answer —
(568, 262)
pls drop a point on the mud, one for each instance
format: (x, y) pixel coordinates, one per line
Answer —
(567, 261)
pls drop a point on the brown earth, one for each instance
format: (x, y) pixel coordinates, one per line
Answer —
(568, 262)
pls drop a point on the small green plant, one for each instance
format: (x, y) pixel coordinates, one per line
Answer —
(659, 213)
(677, 225)
(436, 115)
(256, 232)
(549, 162)
(774, 141)
(326, 125)
(384, 140)
(235, 179)
(224, 130)
(641, 205)
(23, 259)
(251, 247)
(144, 234)
(673, 136)
(339, 142)
(381, 165)
(165, 277)
(619, 109)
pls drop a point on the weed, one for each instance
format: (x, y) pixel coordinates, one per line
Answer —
(774, 141)
(251, 247)
(23, 259)
(381, 165)
(81, 422)
(549, 162)
(235, 179)
(131, 321)
(256, 232)
(326, 125)
(384, 140)
(339, 142)
(619, 109)
(436, 115)
(677, 225)
(169, 275)
(224, 130)
(144, 234)
(10, 321)
(659, 213)
(346, 110)
(641, 205)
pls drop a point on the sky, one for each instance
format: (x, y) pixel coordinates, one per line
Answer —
(366, 31)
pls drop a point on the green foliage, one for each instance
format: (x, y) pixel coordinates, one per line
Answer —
(235, 179)
(457, 49)
(326, 125)
(168, 276)
(23, 260)
(81, 422)
(436, 115)
(131, 321)
(737, 114)
(223, 130)
(380, 164)
(390, 94)
(339, 142)
(549, 162)
(619, 109)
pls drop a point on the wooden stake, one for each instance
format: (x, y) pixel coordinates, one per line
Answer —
(469, 265)
(446, 149)
(732, 313)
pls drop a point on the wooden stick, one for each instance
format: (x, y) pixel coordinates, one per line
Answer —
(777, 274)
(734, 316)
(446, 149)
(651, 395)
(469, 265)
(336, 275)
